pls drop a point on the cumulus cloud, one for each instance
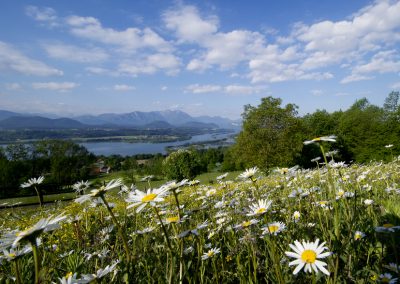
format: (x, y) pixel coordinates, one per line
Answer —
(74, 53)
(229, 89)
(200, 89)
(188, 25)
(45, 15)
(243, 90)
(129, 40)
(150, 65)
(123, 88)
(55, 86)
(12, 59)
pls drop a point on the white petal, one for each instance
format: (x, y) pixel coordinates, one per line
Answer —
(298, 268)
(292, 254)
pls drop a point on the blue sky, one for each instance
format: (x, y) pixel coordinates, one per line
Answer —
(201, 57)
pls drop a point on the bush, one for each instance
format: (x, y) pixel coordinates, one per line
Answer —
(181, 164)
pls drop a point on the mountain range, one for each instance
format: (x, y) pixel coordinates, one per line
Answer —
(153, 119)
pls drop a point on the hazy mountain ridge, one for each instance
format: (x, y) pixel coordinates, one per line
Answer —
(38, 122)
(175, 118)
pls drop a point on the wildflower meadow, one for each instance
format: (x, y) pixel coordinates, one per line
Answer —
(336, 223)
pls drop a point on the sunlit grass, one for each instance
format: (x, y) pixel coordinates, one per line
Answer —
(227, 231)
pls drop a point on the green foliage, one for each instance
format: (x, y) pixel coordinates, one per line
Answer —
(181, 164)
(272, 135)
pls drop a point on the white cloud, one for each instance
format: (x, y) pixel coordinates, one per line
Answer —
(12, 59)
(355, 78)
(243, 90)
(188, 25)
(164, 88)
(124, 88)
(54, 86)
(200, 89)
(150, 65)
(74, 53)
(229, 89)
(13, 86)
(46, 15)
(129, 40)
(98, 70)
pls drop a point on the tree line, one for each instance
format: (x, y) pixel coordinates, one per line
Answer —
(272, 134)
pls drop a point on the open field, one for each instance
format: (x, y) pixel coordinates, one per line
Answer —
(336, 224)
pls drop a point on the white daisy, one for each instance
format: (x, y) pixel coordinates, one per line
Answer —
(33, 181)
(387, 278)
(248, 173)
(358, 235)
(307, 255)
(142, 198)
(273, 228)
(296, 216)
(259, 207)
(210, 253)
(330, 138)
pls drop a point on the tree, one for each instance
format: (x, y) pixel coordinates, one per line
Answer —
(272, 135)
(361, 129)
(181, 164)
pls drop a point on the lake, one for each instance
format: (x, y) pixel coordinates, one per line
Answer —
(128, 149)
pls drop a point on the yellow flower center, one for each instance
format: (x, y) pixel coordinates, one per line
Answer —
(357, 237)
(246, 223)
(210, 253)
(149, 197)
(308, 256)
(273, 228)
(385, 280)
(12, 255)
(173, 219)
(260, 210)
(387, 225)
(69, 274)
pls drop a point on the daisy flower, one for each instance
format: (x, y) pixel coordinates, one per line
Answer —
(221, 177)
(358, 235)
(141, 198)
(100, 191)
(101, 273)
(31, 233)
(33, 181)
(81, 186)
(330, 138)
(273, 228)
(307, 255)
(259, 207)
(210, 253)
(248, 173)
(387, 228)
(393, 267)
(246, 224)
(296, 216)
(368, 201)
(387, 278)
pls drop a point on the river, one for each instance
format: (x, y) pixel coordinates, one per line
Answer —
(128, 149)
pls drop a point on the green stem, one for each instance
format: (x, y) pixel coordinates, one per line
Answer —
(38, 195)
(17, 276)
(120, 232)
(36, 259)
(164, 229)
